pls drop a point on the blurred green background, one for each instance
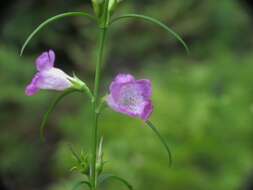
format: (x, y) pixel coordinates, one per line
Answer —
(203, 102)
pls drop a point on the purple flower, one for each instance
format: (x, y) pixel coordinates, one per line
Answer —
(131, 97)
(48, 77)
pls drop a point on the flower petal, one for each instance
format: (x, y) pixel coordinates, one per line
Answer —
(145, 87)
(124, 78)
(45, 61)
(53, 79)
(134, 110)
(112, 103)
(147, 111)
(32, 89)
(128, 98)
(118, 82)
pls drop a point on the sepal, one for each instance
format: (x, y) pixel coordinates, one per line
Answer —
(78, 84)
(82, 162)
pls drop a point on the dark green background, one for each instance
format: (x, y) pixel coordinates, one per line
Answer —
(203, 103)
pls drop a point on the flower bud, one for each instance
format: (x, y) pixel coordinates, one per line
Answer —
(112, 5)
(98, 7)
(82, 164)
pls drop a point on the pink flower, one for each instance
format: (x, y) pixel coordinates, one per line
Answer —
(131, 97)
(48, 77)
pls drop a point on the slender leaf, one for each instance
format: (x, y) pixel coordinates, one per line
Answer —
(100, 148)
(163, 141)
(81, 183)
(50, 20)
(156, 22)
(74, 153)
(105, 177)
(50, 109)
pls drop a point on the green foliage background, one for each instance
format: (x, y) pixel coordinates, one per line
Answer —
(203, 102)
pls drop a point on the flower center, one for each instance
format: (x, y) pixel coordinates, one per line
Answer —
(130, 97)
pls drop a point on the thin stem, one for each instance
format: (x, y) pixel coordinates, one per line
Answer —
(95, 103)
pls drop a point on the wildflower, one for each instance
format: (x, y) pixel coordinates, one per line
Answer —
(131, 97)
(50, 78)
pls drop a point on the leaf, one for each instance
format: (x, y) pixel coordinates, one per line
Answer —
(81, 183)
(156, 22)
(163, 141)
(74, 153)
(50, 109)
(105, 177)
(52, 19)
(100, 148)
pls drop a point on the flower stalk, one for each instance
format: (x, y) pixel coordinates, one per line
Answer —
(95, 104)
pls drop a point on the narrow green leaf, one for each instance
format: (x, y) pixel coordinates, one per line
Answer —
(100, 148)
(156, 22)
(105, 177)
(50, 109)
(50, 20)
(163, 141)
(81, 183)
(74, 153)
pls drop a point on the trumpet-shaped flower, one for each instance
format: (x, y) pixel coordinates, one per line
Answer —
(48, 77)
(131, 97)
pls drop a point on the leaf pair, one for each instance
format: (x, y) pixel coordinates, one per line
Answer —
(91, 17)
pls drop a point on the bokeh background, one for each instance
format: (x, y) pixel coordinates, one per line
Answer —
(203, 101)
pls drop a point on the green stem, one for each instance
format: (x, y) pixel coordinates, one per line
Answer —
(95, 103)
